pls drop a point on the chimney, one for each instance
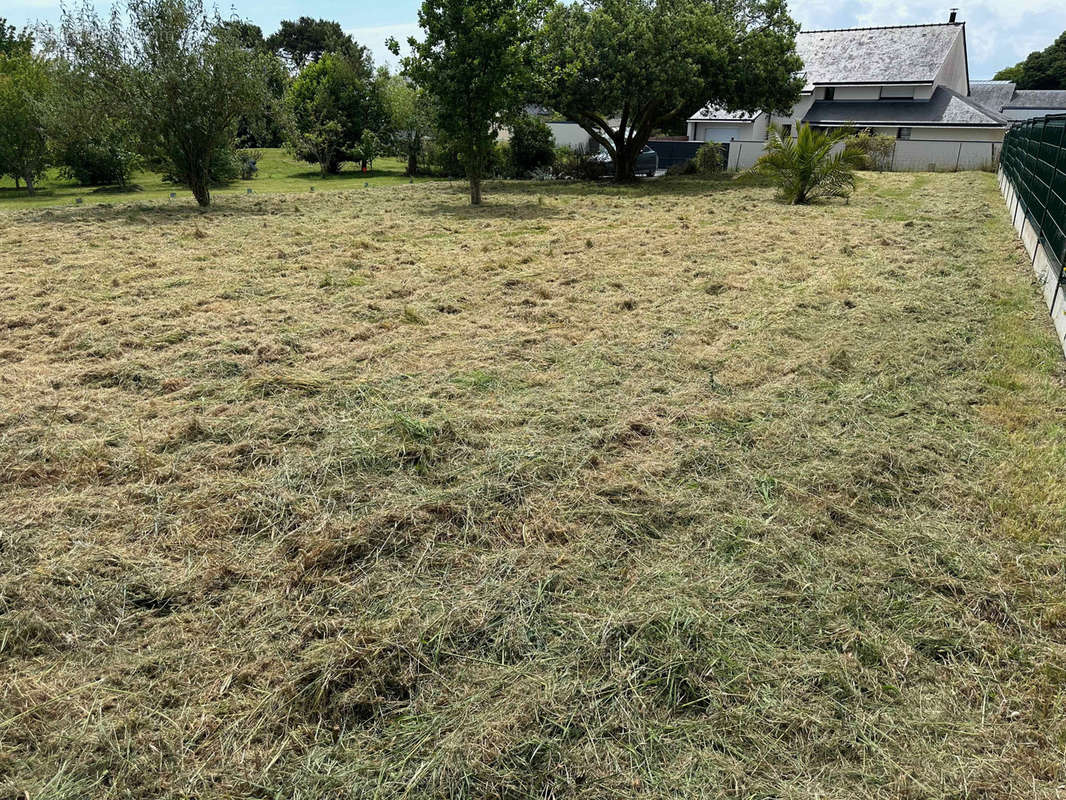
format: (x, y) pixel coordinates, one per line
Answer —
(951, 16)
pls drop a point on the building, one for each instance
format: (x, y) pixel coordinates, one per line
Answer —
(909, 82)
(1005, 98)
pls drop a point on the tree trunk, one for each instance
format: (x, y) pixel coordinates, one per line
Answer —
(30, 188)
(625, 164)
(18, 183)
(475, 190)
(412, 163)
(198, 184)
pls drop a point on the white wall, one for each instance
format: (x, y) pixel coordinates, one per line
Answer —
(909, 155)
(953, 71)
(569, 134)
(797, 113)
(743, 154)
(725, 131)
(920, 156)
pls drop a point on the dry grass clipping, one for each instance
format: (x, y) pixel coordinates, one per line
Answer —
(664, 492)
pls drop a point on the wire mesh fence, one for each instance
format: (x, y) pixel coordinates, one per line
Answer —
(1034, 160)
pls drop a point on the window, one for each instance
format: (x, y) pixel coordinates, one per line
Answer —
(830, 92)
(897, 92)
(786, 131)
(903, 133)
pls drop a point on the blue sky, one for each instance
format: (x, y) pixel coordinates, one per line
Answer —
(998, 32)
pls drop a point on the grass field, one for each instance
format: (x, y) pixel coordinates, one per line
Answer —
(592, 492)
(278, 172)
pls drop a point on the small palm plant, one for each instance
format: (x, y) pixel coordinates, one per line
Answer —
(807, 168)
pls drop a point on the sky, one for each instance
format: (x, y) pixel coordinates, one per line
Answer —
(999, 33)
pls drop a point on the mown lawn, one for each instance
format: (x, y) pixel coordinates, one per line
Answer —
(278, 172)
(666, 491)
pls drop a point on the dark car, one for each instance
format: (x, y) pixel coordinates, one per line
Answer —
(647, 162)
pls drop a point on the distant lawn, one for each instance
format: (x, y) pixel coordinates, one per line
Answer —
(278, 172)
(664, 491)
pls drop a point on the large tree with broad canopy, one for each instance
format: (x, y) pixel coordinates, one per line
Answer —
(645, 62)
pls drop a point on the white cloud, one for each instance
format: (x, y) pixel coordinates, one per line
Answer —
(374, 38)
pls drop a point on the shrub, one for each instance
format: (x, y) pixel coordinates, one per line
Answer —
(532, 145)
(97, 161)
(876, 149)
(444, 159)
(577, 163)
(249, 161)
(807, 168)
(709, 160)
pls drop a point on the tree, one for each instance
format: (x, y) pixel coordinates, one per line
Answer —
(1043, 69)
(410, 117)
(306, 40)
(262, 127)
(475, 62)
(176, 74)
(329, 105)
(649, 61)
(25, 91)
(532, 144)
(806, 168)
(14, 43)
(244, 33)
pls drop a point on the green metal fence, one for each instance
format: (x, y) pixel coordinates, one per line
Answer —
(1034, 159)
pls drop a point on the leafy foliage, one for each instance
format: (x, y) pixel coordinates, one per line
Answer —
(306, 40)
(877, 149)
(14, 42)
(806, 168)
(475, 61)
(1042, 69)
(577, 163)
(532, 145)
(105, 158)
(709, 159)
(182, 80)
(25, 89)
(410, 118)
(649, 61)
(329, 105)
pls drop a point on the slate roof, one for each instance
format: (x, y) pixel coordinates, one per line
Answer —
(1038, 98)
(992, 94)
(945, 107)
(902, 54)
(717, 114)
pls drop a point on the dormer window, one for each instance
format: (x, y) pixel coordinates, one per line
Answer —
(830, 92)
(897, 92)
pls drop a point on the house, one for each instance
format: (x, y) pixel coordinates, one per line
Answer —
(1005, 98)
(909, 82)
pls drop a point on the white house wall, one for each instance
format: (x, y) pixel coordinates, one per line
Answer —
(725, 131)
(953, 71)
(569, 134)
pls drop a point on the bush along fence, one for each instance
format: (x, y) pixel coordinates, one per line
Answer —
(1032, 176)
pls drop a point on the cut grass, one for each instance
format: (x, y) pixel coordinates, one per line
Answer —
(667, 491)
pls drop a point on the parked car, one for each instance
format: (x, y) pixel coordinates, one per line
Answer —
(647, 162)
